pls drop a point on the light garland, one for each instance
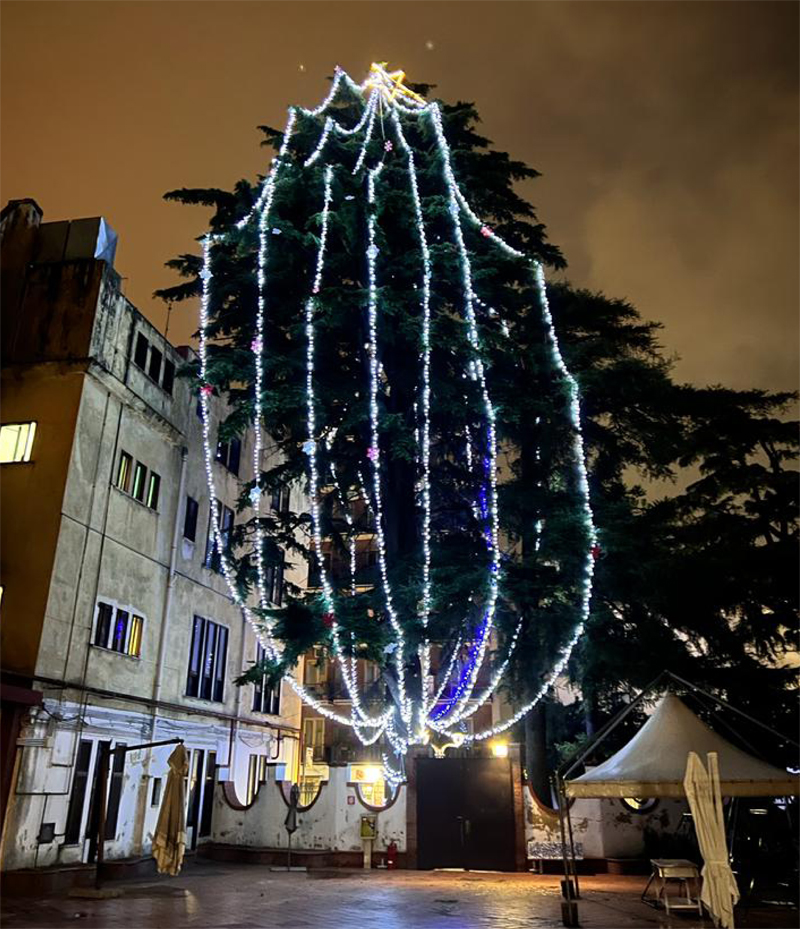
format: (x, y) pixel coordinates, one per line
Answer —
(416, 715)
(375, 456)
(206, 390)
(425, 451)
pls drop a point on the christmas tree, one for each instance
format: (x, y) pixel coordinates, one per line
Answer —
(376, 307)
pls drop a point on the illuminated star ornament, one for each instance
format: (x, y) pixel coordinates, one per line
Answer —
(390, 84)
(413, 712)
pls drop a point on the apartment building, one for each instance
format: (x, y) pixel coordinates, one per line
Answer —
(117, 627)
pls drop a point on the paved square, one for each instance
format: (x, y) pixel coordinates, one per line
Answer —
(209, 895)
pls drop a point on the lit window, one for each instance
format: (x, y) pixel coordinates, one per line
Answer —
(139, 476)
(266, 698)
(229, 454)
(124, 471)
(16, 442)
(208, 656)
(639, 804)
(314, 738)
(153, 487)
(118, 630)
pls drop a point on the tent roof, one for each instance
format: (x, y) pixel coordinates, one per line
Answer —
(653, 763)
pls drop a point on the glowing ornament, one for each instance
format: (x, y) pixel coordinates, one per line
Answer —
(389, 84)
(206, 390)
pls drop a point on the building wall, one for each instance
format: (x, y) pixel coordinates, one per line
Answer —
(73, 538)
(332, 822)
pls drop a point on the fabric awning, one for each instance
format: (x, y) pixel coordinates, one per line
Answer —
(653, 763)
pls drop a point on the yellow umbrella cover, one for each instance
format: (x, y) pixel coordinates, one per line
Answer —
(169, 841)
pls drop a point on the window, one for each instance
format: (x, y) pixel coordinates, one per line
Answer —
(155, 796)
(229, 454)
(77, 797)
(207, 660)
(273, 583)
(124, 472)
(139, 475)
(135, 480)
(105, 613)
(190, 519)
(314, 738)
(75, 827)
(315, 667)
(208, 795)
(118, 630)
(280, 500)
(117, 766)
(169, 376)
(266, 698)
(153, 487)
(16, 442)
(154, 371)
(225, 522)
(140, 354)
(252, 778)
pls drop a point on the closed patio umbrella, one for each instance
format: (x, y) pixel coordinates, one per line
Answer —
(169, 841)
(720, 893)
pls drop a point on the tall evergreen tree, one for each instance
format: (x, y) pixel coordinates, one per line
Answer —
(395, 328)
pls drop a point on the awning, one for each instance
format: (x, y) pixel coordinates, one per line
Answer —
(653, 763)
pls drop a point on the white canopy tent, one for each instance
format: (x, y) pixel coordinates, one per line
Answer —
(653, 763)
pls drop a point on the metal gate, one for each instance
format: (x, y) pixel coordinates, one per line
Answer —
(465, 814)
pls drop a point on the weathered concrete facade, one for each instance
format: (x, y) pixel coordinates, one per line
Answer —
(95, 531)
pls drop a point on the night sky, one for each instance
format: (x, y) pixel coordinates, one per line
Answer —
(666, 134)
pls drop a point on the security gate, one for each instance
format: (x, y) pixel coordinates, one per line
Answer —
(465, 814)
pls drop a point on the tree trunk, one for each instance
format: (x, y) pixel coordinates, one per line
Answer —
(536, 753)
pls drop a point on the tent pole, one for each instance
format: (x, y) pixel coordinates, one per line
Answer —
(609, 726)
(568, 904)
(733, 709)
(573, 861)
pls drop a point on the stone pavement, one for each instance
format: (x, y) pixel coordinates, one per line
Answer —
(210, 895)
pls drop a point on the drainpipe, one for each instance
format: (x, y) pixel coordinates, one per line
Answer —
(237, 709)
(176, 529)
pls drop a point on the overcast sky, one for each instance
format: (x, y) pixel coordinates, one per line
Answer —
(666, 134)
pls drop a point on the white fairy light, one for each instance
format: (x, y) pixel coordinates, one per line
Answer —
(386, 88)
(348, 665)
(425, 452)
(375, 457)
(583, 485)
(208, 458)
(467, 684)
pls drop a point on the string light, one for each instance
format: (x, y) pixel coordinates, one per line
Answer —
(383, 88)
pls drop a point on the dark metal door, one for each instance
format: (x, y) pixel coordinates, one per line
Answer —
(465, 814)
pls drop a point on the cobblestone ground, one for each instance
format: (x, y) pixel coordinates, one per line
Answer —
(214, 896)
